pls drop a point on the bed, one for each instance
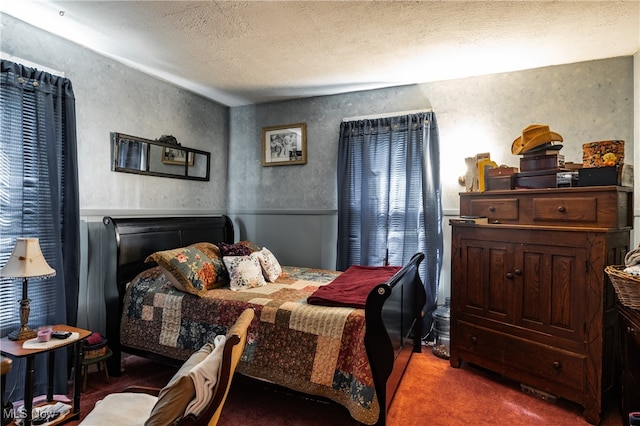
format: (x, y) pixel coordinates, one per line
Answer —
(353, 356)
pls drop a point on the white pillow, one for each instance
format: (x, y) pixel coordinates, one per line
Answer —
(271, 268)
(244, 272)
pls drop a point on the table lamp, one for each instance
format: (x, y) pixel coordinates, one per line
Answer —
(26, 261)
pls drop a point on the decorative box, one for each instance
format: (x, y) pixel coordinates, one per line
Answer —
(598, 176)
(537, 179)
(502, 171)
(603, 153)
(535, 163)
(495, 183)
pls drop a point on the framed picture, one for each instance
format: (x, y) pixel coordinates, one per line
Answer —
(175, 156)
(284, 145)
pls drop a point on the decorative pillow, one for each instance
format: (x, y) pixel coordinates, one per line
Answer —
(209, 249)
(233, 249)
(221, 276)
(271, 268)
(244, 272)
(189, 269)
(252, 246)
(178, 393)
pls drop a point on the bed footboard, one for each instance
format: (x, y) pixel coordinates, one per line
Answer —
(394, 329)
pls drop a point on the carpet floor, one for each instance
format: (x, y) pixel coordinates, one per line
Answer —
(431, 393)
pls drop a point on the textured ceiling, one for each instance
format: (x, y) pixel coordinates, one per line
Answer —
(239, 52)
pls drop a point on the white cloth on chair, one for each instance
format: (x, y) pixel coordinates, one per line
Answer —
(121, 409)
(205, 377)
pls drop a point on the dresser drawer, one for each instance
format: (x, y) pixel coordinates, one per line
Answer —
(572, 210)
(501, 209)
(597, 207)
(516, 354)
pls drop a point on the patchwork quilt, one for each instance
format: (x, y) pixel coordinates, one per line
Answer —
(317, 350)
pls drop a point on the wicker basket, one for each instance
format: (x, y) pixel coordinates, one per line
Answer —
(627, 286)
(95, 351)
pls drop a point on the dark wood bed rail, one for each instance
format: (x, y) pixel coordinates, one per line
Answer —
(393, 311)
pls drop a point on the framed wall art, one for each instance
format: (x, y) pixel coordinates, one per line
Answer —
(284, 145)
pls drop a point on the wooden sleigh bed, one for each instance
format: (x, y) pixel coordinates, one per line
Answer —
(355, 357)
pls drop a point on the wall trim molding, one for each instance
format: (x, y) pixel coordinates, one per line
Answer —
(207, 212)
(266, 212)
(150, 212)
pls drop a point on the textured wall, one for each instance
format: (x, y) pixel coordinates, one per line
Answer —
(583, 102)
(309, 186)
(111, 97)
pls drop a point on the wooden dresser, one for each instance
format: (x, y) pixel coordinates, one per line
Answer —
(529, 295)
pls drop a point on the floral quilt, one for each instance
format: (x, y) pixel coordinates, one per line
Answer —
(313, 349)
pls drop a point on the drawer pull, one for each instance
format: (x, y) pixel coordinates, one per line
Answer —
(492, 209)
(474, 339)
(631, 330)
(556, 365)
(561, 209)
(515, 272)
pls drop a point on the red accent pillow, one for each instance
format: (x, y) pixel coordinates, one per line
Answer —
(234, 249)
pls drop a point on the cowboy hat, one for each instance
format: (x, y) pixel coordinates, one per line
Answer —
(549, 146)
(532, 137)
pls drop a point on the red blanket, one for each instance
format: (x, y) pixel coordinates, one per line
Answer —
(352, 287)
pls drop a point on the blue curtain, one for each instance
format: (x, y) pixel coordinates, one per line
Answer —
(390, 197)
(39, 198)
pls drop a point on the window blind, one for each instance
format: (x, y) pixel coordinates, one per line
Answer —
(380, 192)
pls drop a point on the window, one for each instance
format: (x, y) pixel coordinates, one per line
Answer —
(38, 198)
(389, 196)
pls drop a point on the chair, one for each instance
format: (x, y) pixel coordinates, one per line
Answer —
(166, 406)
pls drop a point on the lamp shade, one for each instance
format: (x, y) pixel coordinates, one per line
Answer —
(27, 261)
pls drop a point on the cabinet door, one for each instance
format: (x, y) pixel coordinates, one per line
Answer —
(630, 323)
(551, 297)
(484, 286)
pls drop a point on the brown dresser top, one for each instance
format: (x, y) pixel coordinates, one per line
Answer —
(594, 206)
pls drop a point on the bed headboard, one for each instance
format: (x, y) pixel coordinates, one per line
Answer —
(137, 238)
(131, 240)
